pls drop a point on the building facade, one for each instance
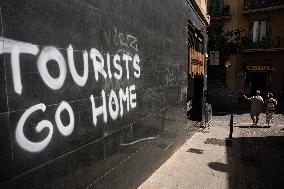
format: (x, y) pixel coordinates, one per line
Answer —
(197, 61)
(93, 93)
(247, 38)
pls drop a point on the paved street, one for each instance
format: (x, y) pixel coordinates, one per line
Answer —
(254, 158)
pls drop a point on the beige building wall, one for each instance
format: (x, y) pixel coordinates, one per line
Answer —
(241, 20)
(236, 21)
(202, 5)
(277, 23)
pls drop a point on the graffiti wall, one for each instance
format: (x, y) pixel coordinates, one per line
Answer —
(92, 93)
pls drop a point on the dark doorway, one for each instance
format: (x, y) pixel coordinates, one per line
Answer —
(259, 81)
(197, 98)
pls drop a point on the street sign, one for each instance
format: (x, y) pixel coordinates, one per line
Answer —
(241, 74)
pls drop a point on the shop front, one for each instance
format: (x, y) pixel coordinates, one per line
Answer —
(264, 71)
(197, 67)
(258, 77)
(196, 78)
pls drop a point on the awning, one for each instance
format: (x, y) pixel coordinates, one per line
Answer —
(195, 62)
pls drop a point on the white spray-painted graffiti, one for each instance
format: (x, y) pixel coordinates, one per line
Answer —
(183, 89)
(120, 39)
(114, 103)
(21, 138)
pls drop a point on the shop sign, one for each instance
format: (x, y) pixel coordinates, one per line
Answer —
(259, 68)
(196, 62)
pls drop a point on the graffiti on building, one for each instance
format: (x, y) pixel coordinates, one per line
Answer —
(121, 39)
(106, 67)
(153, 96)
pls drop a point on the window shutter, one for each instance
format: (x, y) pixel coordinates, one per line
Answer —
(250, 30)
(269, 27)
(221, 3)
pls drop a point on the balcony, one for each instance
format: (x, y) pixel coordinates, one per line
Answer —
(218, 13)
(274, 44)
(262, 5)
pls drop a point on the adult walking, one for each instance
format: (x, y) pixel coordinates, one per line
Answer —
(270, 105)
(256, 106)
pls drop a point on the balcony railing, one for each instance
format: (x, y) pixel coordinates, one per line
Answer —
(273, 43)
(260, 4)
(217, 13)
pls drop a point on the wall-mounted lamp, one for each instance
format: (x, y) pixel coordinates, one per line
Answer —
(228, 63)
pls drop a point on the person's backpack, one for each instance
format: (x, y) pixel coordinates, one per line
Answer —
(271, 104)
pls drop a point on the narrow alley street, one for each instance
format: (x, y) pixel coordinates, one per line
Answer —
(254, 158)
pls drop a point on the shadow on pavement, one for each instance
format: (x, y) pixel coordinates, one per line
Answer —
(229, 113)
(254, 162)
(222, 167)
(241, 126)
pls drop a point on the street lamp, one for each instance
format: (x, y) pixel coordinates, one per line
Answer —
(228, 63)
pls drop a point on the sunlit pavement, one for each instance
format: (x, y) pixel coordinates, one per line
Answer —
(254, 158)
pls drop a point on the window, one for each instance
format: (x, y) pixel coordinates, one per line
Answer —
(259, 31)
(215, 36)
(215, 7)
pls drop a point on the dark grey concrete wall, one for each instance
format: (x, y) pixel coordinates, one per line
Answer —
(38, 82)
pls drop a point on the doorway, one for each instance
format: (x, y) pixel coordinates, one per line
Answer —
(259, 81)
(197, 98)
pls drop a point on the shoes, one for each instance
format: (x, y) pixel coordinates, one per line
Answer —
(269, 123)
(254, 125)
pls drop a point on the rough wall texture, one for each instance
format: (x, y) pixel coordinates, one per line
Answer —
(91, 92)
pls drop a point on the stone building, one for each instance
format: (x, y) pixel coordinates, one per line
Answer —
(93, 92)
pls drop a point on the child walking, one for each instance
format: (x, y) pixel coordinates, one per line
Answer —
(270, 105)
